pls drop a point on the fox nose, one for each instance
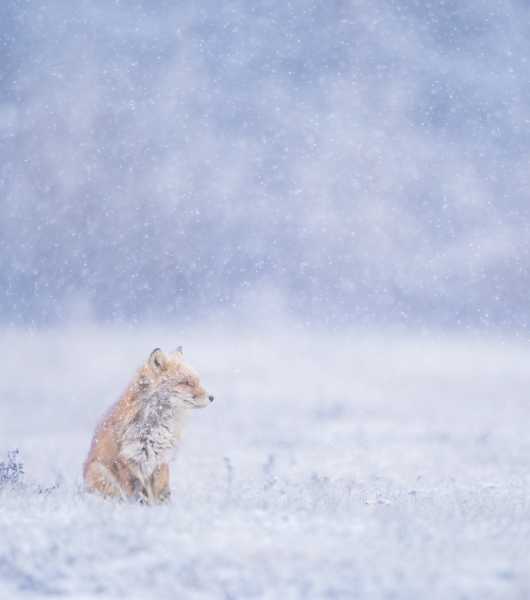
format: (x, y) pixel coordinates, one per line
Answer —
(211, 398)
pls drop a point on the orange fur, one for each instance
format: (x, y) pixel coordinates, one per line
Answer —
(134, 440)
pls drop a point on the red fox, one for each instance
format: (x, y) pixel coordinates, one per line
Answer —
(134, 440)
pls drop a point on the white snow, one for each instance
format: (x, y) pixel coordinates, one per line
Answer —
(330, 465)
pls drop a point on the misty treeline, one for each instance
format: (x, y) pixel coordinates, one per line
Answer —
(350, 161)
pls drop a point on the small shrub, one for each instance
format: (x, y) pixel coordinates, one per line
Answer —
(12, 472)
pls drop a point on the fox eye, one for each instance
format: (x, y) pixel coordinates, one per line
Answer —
(186, 383)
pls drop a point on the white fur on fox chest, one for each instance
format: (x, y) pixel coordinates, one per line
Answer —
(151, 435)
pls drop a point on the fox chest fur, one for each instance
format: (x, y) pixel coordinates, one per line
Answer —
(152, 433)
(133, 442)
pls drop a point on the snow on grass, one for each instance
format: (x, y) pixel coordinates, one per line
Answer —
(329, 466)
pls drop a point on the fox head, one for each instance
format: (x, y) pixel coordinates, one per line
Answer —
(169, 375)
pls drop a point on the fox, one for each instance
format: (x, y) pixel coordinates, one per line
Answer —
(135, 438)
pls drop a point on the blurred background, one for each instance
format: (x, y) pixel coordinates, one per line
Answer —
(339, 162)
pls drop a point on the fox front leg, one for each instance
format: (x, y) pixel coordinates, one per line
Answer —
(136, 487)
(160, 484)
(139, 489)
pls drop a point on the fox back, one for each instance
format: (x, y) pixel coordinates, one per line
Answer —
(135, 438)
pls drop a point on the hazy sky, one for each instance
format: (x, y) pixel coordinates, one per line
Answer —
(349, 161)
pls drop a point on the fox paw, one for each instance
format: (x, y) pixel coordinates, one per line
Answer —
(164, 496)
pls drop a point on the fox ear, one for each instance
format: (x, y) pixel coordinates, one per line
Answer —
(158, 360)
(178, 350)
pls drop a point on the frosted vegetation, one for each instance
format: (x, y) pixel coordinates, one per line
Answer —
(341, 465)
(356, 161)
(12, 471)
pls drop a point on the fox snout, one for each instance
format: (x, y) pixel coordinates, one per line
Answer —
(200, 400)
(210, 398)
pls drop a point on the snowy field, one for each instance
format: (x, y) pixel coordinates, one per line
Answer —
(330, 465)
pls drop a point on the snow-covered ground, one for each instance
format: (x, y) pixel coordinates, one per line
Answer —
(330, 465)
